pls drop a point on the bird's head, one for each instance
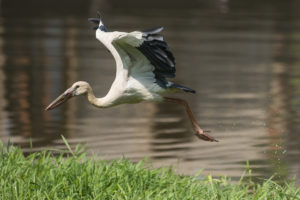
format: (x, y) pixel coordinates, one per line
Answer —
(98, 22)
(78, 88)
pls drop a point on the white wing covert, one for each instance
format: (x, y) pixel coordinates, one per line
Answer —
(134, 38)
(134, 61)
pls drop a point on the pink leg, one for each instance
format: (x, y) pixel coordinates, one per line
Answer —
(199, 132)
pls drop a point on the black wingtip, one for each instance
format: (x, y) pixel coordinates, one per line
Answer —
(98, 22)
(152, 31)
(99, 14)
(94, 20)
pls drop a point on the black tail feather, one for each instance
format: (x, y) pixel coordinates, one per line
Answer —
(186, 89)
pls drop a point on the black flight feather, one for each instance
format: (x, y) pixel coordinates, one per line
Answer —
(156, 50)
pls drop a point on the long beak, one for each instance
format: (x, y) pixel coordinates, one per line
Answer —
(61, 99)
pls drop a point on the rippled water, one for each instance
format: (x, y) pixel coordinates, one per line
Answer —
(241, 58)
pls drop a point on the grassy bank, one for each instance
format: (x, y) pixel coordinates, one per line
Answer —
(43, 176)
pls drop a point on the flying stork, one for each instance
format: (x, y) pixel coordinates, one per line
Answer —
(144, 62)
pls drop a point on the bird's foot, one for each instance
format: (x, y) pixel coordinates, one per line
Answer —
(202, 134)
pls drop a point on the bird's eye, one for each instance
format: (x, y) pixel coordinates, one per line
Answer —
(77, 86)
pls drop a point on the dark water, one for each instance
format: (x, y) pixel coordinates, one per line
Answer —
(242, 57)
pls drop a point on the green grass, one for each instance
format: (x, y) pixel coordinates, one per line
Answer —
(76, 176)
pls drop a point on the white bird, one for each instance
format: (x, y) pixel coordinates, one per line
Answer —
(143, 62)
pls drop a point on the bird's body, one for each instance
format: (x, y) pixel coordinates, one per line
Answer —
(143, 62)
(134, 81)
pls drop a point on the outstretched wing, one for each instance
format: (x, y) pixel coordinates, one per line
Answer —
(157, 51)
(152, 47)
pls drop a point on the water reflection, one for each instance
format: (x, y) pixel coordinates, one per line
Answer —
(241, 60)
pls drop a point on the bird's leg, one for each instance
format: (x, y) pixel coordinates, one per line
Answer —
(199, 132)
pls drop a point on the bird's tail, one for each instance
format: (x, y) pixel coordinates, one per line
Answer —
(181, 87)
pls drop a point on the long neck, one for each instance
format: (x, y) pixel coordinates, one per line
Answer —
(98, 102)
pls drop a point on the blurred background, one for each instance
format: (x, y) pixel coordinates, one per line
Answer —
(242, 58)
